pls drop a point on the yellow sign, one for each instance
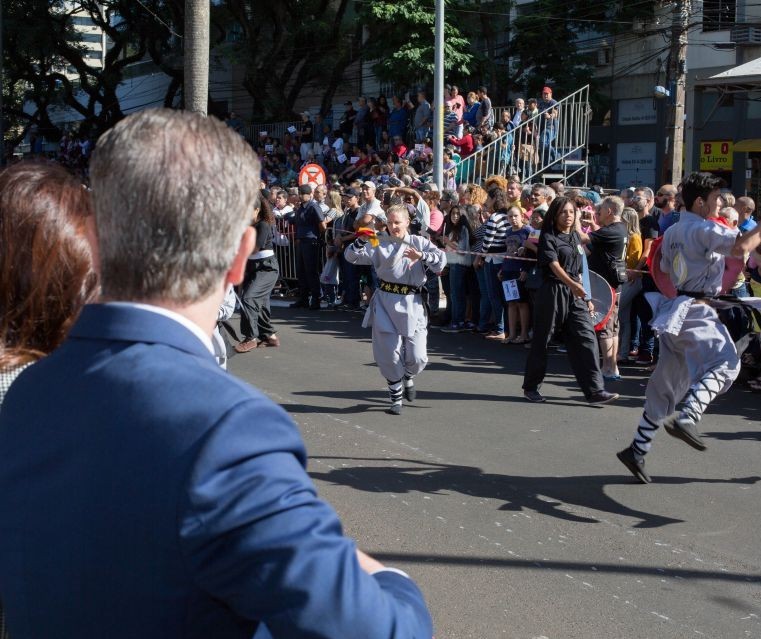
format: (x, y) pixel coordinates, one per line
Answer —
(716, 155)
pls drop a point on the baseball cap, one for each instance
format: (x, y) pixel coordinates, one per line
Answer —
(546, 90)
(351, 192)
(305, 189)
(368, 184)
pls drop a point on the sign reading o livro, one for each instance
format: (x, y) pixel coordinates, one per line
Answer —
(312, 174)
(716, 155)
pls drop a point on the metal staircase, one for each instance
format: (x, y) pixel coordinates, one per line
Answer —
(539, 149)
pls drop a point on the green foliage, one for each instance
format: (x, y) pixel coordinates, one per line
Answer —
(401, 41)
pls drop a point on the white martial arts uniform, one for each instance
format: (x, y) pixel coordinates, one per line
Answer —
(697, 355)
(398, 320)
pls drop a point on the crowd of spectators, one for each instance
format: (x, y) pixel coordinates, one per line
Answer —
(384, 137)
(492, 236)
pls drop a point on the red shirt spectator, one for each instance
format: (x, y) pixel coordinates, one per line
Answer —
(465, 144)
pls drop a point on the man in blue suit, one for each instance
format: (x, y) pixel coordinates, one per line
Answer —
(144, 492)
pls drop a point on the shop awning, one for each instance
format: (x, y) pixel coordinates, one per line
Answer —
(743, 77)
(748, 146)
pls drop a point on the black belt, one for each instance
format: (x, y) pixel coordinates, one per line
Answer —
(697, 295)
(398, 289)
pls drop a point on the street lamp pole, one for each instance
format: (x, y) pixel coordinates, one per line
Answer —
(438, 98)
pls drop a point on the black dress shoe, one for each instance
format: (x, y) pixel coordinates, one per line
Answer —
(315, 307)
(602, 397)
(299, 304)
(684, 429)
(636, 466)
(534, 396)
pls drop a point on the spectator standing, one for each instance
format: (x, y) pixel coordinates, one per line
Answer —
(633, 284)
(344, 230)
(47, 275)
(493, 242)
(465, 144)
(644, 338)
(484, 304)
(423, 118)
(470, 114)
(259, 280)
(665, 200)
(397, 120)
(548, 131)
(607, 258)
(457, 105)
(560, 305)
(156, 471)
(456, 246)
(485, 114)
(346, 124)
(306, 136)
(309, 221)
(362, 123)
(745, 208)
(518, 312)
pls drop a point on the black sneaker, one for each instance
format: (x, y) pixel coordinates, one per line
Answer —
(395, 409)
(684, 429)
(534, 396)
(602, 397)
(636, 466)
(410, 393)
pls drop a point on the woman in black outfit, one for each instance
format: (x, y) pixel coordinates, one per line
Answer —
(560, 305)
(262, 272)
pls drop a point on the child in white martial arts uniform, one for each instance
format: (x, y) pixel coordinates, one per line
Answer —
(698, 359)
(397, 313)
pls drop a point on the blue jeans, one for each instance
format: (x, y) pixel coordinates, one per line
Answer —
(421, 133)
(484, 307)
(457, 292)
(549, 152)
(495, 294)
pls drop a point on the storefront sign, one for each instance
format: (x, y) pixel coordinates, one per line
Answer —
(635, 164)
(716, 155)
(631, 112)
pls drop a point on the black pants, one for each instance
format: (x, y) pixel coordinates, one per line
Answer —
(308, 270)
(256, 318)
(557, 309)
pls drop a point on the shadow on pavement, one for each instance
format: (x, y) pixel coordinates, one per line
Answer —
(551, 496)
(570, 566)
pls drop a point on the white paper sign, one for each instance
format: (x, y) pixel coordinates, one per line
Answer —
(510, 288)
(342, 158)
(269, 148)
(419, 147)
(354, 159)
(291, 129)
(263, 134)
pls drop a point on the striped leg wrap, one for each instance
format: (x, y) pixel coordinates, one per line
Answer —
(395, 391)
(643, 440)
(700, 396)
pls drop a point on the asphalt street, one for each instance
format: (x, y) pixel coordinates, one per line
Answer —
(517, 519)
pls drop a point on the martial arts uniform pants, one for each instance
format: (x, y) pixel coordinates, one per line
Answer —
(398, 356)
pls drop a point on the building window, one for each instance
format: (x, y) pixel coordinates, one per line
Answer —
(89, 37)
(719, 15)
(82, 21)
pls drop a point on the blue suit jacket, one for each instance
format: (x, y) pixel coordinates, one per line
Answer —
(146, 493)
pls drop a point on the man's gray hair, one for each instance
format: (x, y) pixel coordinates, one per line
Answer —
(614, 204)
(545, 191)
(646, 191)
(173, 193)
